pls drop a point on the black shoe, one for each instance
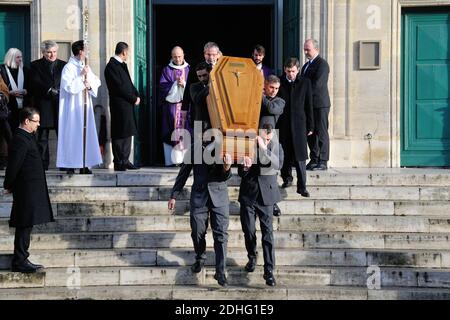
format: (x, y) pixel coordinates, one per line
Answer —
(25, 267)
(320, 167)
(270, 279)
(70, 171)
(119, 167)
(197, 266)
(286, 184)
(276, 210)
(85, 171)
(36, 266)
(311, 165)
(251, 265)
(221, 279)
(303, 193)
(131, 166)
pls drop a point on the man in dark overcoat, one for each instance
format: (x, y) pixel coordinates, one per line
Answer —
(295, 124)
(25, 179)
(45, 80)
(123, 97)
(317, 70)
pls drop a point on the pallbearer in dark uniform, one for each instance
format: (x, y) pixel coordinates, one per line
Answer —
(25, 179)
(317, 70)
(257, 196)
(209, 199)
(209, 193)
(198, 93)
(295, 124)
(45, 80)
(123, 97)
(272, 108)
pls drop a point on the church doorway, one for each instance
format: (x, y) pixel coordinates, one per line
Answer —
(236, 26)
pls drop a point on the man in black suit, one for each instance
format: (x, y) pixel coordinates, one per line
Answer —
(295, 124)
(272, 108)
(257, 196)
(45, 79)
(198, 93)
(123, 97)
(317, 70)
(209, 193)
(209, 197)
(25, 179)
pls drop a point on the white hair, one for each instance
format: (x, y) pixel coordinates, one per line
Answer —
(210, 45)
(10, 58)
(48, 44)
(314, 42)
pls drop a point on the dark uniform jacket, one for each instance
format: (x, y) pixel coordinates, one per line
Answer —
(41, 81)
(25, 177)
(271, 110)
(318, 72)
(298, 118)
(260, 182)
(123, 96)
(210, 183)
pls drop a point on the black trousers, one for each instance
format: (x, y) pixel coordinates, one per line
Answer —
(319, 141)
(219, 225)
(121, 150)
(21, 245)
(42, 141)
(248, 223)
(300, 167)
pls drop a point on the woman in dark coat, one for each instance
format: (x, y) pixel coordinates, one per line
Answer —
(25, 179)
(295, 124)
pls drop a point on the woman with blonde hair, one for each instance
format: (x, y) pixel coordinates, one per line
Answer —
(15, 75)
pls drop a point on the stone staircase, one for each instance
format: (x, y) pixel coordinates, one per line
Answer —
(363, 234)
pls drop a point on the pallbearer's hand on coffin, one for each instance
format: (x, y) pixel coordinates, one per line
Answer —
(227, 161)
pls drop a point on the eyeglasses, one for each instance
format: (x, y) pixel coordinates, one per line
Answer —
(35, 121)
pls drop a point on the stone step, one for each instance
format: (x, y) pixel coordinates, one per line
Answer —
(334, 176)
(290, 207)
(299, 223)
(86, 194)
(232, 293)
(285, 276)
(235, 257)
(283, 239)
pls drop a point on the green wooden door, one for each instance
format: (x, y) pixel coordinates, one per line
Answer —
(291, 29)
(141, 142)
(426, 94)
(15, 31)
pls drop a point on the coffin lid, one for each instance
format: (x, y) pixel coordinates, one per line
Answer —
(236, 89)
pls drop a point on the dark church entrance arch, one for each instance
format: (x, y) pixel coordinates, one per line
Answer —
(236, 25)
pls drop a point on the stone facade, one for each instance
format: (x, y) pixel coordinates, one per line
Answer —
(365, 117)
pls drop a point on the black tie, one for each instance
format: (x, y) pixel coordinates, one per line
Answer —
(305, 68)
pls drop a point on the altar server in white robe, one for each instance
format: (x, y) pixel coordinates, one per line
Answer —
(71, 115)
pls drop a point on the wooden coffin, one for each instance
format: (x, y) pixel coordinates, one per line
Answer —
(234, 104)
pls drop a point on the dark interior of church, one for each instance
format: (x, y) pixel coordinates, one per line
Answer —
(236, 29)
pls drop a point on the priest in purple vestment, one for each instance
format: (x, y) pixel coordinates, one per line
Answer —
(175, 111)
